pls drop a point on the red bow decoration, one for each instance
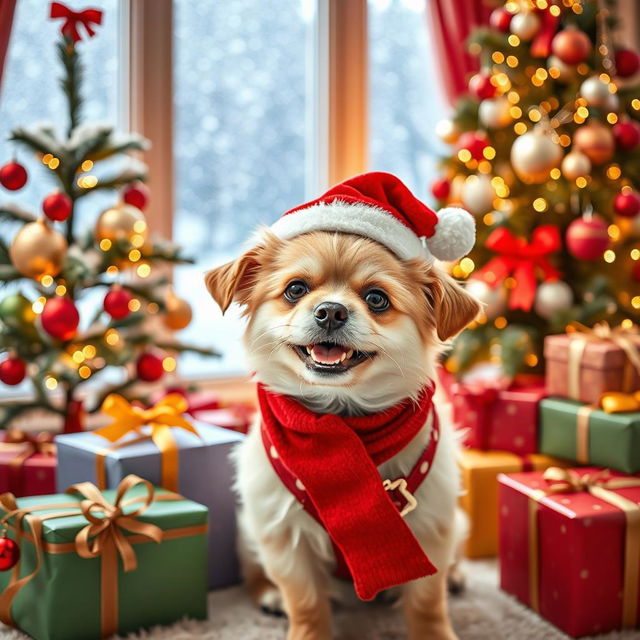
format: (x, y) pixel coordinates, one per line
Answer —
(72, 19)
(541, 45)
(521, 259)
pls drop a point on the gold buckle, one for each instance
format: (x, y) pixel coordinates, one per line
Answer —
(401, 485)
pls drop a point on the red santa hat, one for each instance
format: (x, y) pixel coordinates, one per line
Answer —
(379, 206)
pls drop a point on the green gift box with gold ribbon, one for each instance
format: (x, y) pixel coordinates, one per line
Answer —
(587, 434)
(92, 563)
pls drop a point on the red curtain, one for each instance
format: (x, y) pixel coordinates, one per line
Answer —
(451, 22)
(7, 8)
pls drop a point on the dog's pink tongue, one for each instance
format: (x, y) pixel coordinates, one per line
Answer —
(326, 355)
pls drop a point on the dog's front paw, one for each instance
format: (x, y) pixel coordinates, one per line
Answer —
(456, 580)
(270, 602)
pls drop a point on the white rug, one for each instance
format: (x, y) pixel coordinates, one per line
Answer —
(482, 612)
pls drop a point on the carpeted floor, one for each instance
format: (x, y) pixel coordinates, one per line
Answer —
(483, 612)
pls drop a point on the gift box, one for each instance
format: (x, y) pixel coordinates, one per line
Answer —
(583, 365)
(480, 470)
(192, 459)
(94, 564)
(589, 435)
(235, 417)
(570, 547)
(27, 463)
(497, 415)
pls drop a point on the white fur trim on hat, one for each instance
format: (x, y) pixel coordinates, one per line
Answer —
(358, 218)
(455, 234)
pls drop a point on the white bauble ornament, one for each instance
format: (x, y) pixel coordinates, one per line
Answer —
(575, 165)
(597, 94)
(494, 300)
(494, 113)
(566, 72)
(552, 297)
(478, 194)
(448, 131)
(525, 25)
(534, 154)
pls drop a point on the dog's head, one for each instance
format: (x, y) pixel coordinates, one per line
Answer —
(339, 321)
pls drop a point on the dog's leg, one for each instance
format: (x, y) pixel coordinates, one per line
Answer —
(425, 609)
(303, 585)
(456, 579)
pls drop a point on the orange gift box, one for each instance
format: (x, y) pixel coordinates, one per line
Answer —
(480, 470)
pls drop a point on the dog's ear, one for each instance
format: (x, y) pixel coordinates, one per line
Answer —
(233, 280)
(454, 308)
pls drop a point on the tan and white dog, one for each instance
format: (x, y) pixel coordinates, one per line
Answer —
(345, 326)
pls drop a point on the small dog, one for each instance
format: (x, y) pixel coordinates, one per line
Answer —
(342, 328)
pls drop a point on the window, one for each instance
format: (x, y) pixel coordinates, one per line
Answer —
(240, 79)
(405, 101)
(31, 92)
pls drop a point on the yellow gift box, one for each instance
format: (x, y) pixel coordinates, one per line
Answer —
(480, 470)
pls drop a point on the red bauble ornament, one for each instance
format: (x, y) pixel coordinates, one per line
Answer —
(13, 176)
(501, 19)
(587, 238)
(627, 63)
(480, 86)
(571, 46)
(57, 206)
(12, 370)
(60, 318)
(475, 142)
(116, 303)
(136, 194)
(9, 553)
(627, 204)
(441, 188)
(627, 134)
(149, 367)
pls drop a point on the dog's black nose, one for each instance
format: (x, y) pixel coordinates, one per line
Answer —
(330, 315)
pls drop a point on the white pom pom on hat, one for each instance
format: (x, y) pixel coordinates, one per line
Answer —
(379, 206)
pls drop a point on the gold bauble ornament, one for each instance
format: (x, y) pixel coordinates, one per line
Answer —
(598, 94)
(121, 222)
(596, 141)
(178, 314)
(534, 154)
(448, 131)
(576, 165)
(38, 250)
(494, 113)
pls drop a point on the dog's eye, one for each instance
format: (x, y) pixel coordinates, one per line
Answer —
(377, 300)
(296, 290)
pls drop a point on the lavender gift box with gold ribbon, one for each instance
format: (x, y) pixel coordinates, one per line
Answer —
(170, 450)
(94, 563)
(570, 547)
(590, 435)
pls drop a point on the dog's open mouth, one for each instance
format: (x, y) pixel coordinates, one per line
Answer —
(328, 357)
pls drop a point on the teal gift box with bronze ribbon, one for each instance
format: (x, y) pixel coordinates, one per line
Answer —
(91, 564)
(608, 436)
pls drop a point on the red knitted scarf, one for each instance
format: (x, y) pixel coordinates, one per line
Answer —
(335, 458)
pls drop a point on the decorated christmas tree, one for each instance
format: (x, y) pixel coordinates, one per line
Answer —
(546, 155)
(50, 268)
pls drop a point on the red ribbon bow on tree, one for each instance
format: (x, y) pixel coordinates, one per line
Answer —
(72, 19)
(541, 45)
(521, 259)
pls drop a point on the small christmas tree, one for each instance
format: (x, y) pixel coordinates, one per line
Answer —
(547, 151)
(49, 266)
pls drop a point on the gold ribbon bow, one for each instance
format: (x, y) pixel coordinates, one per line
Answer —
(127, 419)
(618, 402)
(103, 536)
(628, 339)
(600, 485)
